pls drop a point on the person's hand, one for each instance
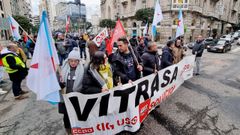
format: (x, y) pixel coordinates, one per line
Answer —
(104, 89)
(130, 81)
(139, 67)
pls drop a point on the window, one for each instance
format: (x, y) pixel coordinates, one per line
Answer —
(176, 4)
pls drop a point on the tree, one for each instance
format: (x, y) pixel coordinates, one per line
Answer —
(35, 29)
(145, 15)
(107, 23)
(24, 22)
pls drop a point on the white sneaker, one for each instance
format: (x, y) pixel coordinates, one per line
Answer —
(2, 92)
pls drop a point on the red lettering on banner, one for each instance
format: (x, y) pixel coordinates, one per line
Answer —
(82, 130)
(105, 126)
(166, 94)
(144, 110)
(127, 121)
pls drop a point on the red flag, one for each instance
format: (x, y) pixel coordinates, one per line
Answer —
(117, 33)
(67, 24)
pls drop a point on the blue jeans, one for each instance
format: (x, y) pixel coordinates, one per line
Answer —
(83, 52)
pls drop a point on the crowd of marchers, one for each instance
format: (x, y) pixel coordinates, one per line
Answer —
(133, 59)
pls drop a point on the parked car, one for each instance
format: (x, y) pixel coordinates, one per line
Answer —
(228, 38)
(236, 35)
(221, 46)
(209, 42)
(238, 41)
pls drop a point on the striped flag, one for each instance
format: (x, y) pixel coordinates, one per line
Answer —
(14, 27)
(42, 78)
(180, 27)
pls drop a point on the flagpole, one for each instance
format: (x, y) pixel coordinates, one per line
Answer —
(27, 34)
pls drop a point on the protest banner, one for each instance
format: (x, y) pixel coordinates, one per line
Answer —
(100, 37)
(125, 107)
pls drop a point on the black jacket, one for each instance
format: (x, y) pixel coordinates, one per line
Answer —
(198, 49)
(141, 49)
(82, 43)
(119, 67)
(133, 42)
(151, 60)
(167, 57)
(90, 85)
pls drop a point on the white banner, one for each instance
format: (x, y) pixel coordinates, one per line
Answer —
(100, 37)
(125, 107)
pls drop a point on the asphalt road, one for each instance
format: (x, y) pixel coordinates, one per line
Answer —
(204, 105)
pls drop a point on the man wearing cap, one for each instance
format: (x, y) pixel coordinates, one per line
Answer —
(15, 68)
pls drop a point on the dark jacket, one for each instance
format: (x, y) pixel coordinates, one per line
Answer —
(120, 69)
(151, 61)
(90, 85)
(141, 49)
(198, 49)
(167, 57)
(82, 43)
(133, 42)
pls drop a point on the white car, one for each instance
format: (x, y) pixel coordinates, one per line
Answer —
(238, 41)
(228, 38)
(236, 35)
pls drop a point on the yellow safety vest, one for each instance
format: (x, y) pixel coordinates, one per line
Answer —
(6, 65)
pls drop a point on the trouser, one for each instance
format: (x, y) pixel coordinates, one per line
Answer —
(66, 121)
(83, 52)
(62, 57)
(198, 62)
(16, 87)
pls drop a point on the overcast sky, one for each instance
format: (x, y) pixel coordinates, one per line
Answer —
(93, 6)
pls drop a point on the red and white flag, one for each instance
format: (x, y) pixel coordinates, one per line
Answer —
(100, 37)
(117, 33)
(14, 27)
(42, 78)
(67, 24)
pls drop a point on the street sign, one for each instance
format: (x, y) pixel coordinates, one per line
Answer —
(4, 24)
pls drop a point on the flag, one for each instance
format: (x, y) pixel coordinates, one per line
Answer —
(145, 31)
(100, 37)
(42, 78)
(180, 27)
(117, 33)
(14, 27)
(67, 23)
(158, 16)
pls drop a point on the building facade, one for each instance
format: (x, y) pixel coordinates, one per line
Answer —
(22, 8)
(5, 11)
(206, 17)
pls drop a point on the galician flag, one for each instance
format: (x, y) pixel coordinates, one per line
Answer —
(158, 17)
(14, 27)
(145, 31)
(42, 78)
(180, 27)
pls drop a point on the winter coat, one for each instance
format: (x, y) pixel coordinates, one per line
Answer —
(198, 49)
(120, 69)
(178, 54)
(94, 80)
(141, 49)
(133, 42)
(82, 43)
(151, 61)
(167, 57)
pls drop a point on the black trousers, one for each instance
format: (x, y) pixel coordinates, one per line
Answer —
(17, 79)
(83, 52)
(16, 87)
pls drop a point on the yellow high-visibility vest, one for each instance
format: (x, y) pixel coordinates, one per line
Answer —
(6, 65)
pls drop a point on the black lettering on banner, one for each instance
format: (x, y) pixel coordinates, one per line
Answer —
(166, 78)
(104, 105)
(174, 74)
(142, 92)
(83, 116)
(155, 85)
(124, 94)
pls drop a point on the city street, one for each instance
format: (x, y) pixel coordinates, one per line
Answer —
(204, 105)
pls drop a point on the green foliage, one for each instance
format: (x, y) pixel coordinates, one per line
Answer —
(35, 29)
(24, 22)
(107, 23)
(145, 15)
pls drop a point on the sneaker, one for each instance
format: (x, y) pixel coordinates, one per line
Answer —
(2, 91)
(21, 97)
